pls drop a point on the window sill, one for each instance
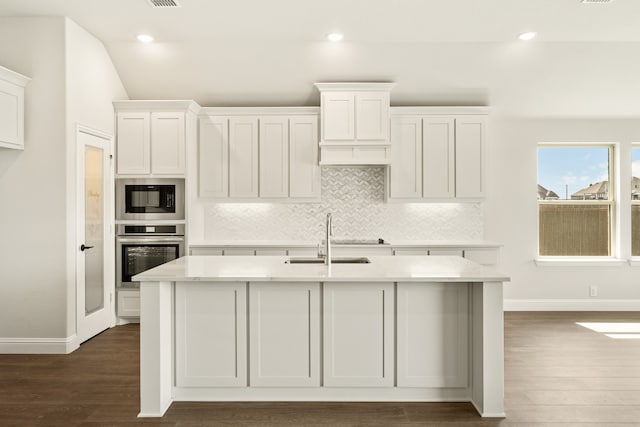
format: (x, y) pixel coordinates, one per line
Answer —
(581, 262)
(634, 262)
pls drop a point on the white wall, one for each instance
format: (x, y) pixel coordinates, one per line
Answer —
(73, 81)
(511, 216)
(92, 83)
(33, 279)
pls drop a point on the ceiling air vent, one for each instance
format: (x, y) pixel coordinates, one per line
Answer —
(596, 1)
(164, 4)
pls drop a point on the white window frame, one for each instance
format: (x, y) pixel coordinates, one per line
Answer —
(567, 260)
(635, 260)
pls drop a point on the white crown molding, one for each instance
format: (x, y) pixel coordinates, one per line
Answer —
(39, 345)
(157, 105)
(13, 77)
(571, 304)
(354, 86)
(258, 111)
(439, 110)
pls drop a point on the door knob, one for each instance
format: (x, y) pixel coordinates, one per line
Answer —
(84, 248)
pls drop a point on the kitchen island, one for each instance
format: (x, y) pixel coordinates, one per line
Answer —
(235, 328)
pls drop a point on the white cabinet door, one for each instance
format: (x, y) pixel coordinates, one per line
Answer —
(239, 251)
(484, 256)
(274, 157)
(372, 116)
(405, 171)
(446, 252)
(410, 251)
(213, 157)
(11, 110)
(133, 143)
(284, 325)
(438, 157)
(470, 156)
(211, 347)
(128, 302)
(167, 143)
(338, 120)
(358, 334)
(433, 335)
(243, 157)
(304, 170)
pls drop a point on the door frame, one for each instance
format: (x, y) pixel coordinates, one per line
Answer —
(109, 214)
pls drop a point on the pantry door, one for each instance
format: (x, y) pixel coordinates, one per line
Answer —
(94, 286)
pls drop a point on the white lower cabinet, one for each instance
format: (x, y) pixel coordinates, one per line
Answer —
(284, 325)
(128, 302)
(211, 333)
(332, 335)
(433, 335)
(358, 334)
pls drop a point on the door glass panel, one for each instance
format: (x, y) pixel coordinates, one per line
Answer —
(94, 229)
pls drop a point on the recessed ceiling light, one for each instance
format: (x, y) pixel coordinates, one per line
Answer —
(529, 35)
(145, 38)
(335, 37)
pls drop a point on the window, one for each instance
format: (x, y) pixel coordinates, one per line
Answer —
(575, 200)
(635, 200)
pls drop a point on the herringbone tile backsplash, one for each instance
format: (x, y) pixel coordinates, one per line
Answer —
(355, 197)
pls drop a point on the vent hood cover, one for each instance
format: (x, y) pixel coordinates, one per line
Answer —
(164, 4)
(354, 121)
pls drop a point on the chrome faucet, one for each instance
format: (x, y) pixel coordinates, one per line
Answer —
(327, 252)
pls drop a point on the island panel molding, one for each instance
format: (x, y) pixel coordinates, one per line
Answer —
(284, 321)
(358, 311)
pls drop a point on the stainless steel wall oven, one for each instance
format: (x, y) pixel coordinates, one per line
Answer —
(141, 247)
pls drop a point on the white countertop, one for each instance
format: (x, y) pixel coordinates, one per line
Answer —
(314, 243)
(274, 268)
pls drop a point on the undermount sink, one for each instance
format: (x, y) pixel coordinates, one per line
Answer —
(335, 260)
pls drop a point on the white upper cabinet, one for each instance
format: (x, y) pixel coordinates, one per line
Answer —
(470, 156)
(372, 116)
(213, 157)
(405, 171)
(438, 157)
(152, 137)
(338, 116)
(12, 87)
(248, 154)
(304, 171)
(274, 157)
(243, 157)
(168, 143)
(354, 123)
(133, 151)
(447, 155)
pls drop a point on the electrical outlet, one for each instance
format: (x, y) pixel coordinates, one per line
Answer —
(593, 291)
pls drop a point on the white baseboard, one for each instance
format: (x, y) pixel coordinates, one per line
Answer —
(39, 345)
(572, 304)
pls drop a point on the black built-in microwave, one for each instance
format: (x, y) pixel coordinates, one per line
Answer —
(150, 199)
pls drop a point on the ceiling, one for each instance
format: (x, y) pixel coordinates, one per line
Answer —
(269, 52)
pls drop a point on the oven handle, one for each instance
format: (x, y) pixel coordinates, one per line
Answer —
(150, 239)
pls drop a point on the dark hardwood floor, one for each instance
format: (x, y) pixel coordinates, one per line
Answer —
(557, 373)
